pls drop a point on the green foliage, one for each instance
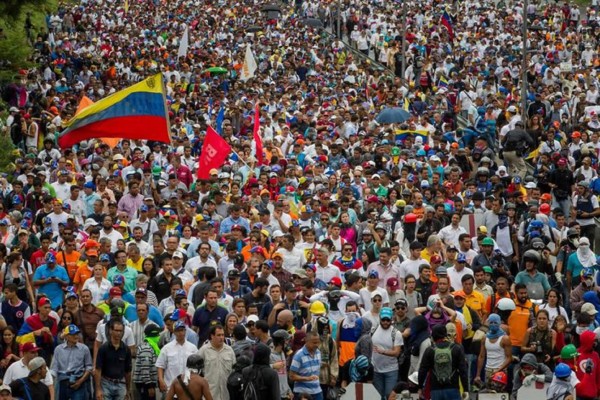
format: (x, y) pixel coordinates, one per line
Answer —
(12, 10)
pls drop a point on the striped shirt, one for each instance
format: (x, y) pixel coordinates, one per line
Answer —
(305, 364)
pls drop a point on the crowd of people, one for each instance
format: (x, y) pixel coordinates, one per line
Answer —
(341, 253)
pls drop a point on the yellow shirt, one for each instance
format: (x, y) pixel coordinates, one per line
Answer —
(137, 265)
(476, 301)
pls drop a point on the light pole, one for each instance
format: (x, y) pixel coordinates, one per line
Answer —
(524, 66)
(403, 40)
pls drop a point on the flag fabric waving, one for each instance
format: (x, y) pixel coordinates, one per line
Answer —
(257, 139)
(249, 66)
(220, 119)
(447, 22)
(183, 44)
(138, 112)
(402, 134)
(215, 151)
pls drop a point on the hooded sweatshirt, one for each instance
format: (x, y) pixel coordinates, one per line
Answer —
(265, 378)
(364, 345)
(588, 372)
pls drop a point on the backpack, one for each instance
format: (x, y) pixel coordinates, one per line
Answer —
(235, 381)
(253, 384)
(442, 361)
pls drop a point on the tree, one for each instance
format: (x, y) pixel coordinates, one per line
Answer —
(11, 10)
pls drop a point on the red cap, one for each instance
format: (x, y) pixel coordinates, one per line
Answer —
(115, 292)
(435, 259)
(393, 283)
(336, 281)
(562, 162)
(43, 301)
(29, 346)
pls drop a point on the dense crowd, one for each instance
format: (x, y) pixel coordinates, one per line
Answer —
(447, 253)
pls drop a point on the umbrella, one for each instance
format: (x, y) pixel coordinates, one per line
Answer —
(394, 115)
(313, 22)
(253, 29)
(271, 7)
(217, 70)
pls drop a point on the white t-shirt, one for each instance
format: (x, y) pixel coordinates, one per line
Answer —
(101, 334)
(382, 338)
(456, 276)
(18, 370)
(365, 297)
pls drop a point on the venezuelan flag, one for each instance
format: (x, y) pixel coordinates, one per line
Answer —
(446, 21)
(443, 82)
(402, 134)
(138, 112)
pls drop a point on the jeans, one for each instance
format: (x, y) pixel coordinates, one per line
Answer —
(144, 389)
(65, 392)
(112, 390)
(564, 204)
(316, 396)
(384, 382)
(445, 394)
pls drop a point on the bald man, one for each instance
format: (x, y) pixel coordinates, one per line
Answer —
(285, 321)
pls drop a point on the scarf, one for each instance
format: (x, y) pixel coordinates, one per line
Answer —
(153, 342)
(586, 257)
(494, 331)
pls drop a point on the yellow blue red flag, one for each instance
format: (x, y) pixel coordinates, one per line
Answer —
(138, 112)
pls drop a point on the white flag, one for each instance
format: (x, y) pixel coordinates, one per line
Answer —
(249, 65)
(183, 44)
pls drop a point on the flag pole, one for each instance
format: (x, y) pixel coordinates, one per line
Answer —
(240, 158)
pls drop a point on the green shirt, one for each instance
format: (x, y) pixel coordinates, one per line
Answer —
(130, 275)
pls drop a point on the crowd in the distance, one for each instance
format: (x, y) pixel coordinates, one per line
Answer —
(448, 254)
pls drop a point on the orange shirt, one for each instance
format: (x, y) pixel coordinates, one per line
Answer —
(518, 322)
(488, 302)
(71, 262)
(82, 274)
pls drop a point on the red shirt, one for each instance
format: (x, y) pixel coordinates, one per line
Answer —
(37, 259)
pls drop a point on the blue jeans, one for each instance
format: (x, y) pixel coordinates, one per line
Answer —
(445, 394)
(316, 396)
(112, 390)
(65, 392)
(384, 382)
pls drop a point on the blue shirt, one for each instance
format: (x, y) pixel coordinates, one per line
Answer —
(52, 290)
(305, 364)
(229, 222)
(204, 319)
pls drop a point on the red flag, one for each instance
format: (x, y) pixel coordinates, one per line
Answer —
(257, 138)
(215, 151)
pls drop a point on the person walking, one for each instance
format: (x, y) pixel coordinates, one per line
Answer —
(113, 365)
(218, 362)
(306, 366)
(32, 387)
(72, 366)
(387, 344)
(445, 365)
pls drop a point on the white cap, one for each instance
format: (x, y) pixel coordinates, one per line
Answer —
(277, 234)
(252, 318)
(512, 109)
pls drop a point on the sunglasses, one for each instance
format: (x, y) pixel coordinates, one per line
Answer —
(376, 300)
(386, 320)
(400, 308)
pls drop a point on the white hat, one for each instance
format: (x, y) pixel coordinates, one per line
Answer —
(588, 308)
(252, 318)
(530, 185)
(277, 234)
(512, 109)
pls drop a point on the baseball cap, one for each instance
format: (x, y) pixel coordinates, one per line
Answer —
(50, 258)
(29, 346)
(104, 257)
(177, 315)
(44, 301)
(233, 273)
(141, 291)
(35, 364)
(178, 254)
(393, 283)
(373, 274)
(435, 259)
(118, 280)
(588, 308)
(401, 303)
(115, 292)
(459, 293)
(179, 325)
(5, 388)
(69, 295)
(461, 258)
(441, 270)
(336, 281)
(71, 330)
(252, 318)
(386, 312)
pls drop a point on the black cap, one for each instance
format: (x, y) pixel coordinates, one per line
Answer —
(439, 332)
(152, 330)
(233, 273)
